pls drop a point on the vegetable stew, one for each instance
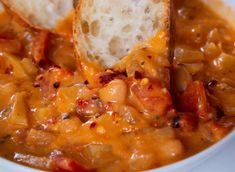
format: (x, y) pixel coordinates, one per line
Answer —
(58, 114)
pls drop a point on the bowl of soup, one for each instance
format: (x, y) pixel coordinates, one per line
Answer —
(52, 118)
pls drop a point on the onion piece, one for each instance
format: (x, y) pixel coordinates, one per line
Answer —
(181, 79)
(185, 55)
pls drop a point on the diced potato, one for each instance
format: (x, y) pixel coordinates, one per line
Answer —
(42, 115)
(39, 162)
(66, 99)
(164, 133)
(185, 55)
(115, 91)
(214, 36)
(36, 100)
(226, 98)
(18, 114)
(98, 155)
(39, 138)
(7, 90)
(130, 115)
(68, 125)
(224, 65)
(195, 68)
(142, 161)
(170, 149)
(29, 66)
(211, 50)
(16, 66)
(181, 79)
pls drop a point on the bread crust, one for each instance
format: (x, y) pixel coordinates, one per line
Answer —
(55, 29)
(80, 52)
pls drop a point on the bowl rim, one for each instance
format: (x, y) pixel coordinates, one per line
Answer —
(186, 164)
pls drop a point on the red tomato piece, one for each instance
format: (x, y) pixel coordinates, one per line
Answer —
(64, 164)
(194, 100)
(52, 79)
(39, 44)
(150, 97)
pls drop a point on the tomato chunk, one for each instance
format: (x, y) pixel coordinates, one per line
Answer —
(150, 97)
(39, 44)
(194, 100)
(52, 79)
(64, 164)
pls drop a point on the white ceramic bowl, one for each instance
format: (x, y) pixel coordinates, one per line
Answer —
(181, 166)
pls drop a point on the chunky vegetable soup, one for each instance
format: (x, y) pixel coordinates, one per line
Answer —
(58, 114)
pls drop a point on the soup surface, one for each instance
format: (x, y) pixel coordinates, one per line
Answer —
(60, 115)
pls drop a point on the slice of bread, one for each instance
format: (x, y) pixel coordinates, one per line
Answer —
(106, 31)
(42, 14)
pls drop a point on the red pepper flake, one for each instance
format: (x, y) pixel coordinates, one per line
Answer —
(82, 103)
(56, 85)
(150, 87)
(86, 82)
(149, 56)
(39, 78)
(36, 85)
(65, 164)
(138, 75)
(108, 77)
(212, 83)
(52, 121)
(9, 69)
(93, 125)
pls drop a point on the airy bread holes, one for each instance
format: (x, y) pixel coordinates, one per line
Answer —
(142, 28)
(127, 11)
(139, 38)
(85, 27)
(107, 10)
(147, 10)
(95, 28)
(115, 46)
(127, 28)
(91, 2)
(155, 24)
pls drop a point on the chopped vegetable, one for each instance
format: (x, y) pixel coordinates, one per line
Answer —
(194, 100)
(18, 116)
(39, 44)
(115, 92)
(14, 66)
(31, 160)
(64, 164)
(150, 98)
